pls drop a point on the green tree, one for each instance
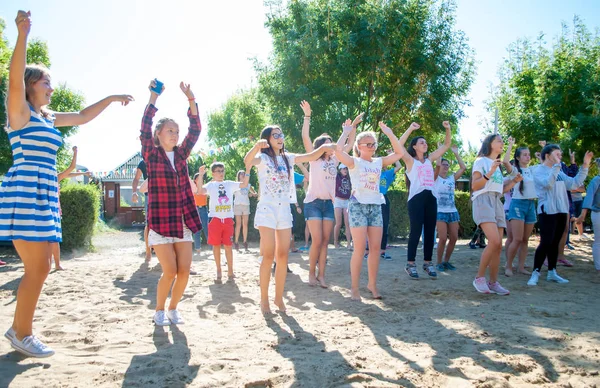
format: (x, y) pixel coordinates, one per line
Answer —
(397, 60)
(63, 99)
(551, 94)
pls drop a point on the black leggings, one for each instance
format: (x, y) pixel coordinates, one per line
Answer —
(552, 227)
(385, 212)
(422, 212)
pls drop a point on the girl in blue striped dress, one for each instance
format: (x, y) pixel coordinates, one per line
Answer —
(29, 193)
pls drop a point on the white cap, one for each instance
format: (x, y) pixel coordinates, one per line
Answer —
(341, 165)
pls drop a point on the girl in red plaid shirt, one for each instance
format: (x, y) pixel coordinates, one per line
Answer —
(172, 214)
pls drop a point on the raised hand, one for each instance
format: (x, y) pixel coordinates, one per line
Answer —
(414, 126)
(23, 21)
(152, 86)
(347, 125)
(385, 129)
(495, 165)
(74, 148)
(305, 108)
(454, 149)
(538, 155)
(202, 170)
(358, 119)
(124, 99)
(187, 90)
(587, 159)
(332, 147)
(572, 156)
(511, 141)
(446, 124)
(542, 143)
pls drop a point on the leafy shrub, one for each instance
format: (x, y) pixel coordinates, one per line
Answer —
(463, 205)
(80, 210)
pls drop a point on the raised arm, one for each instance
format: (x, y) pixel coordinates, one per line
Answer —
(195, 128)
(86, 115)
(399, 150)
(507, 156)
(444, 147)
(246, 180)
(252, 158)
(509, 183)
(65, 174)
(16, 102)
(340, 152)
(438, 166)
(304, 171)
(352, 136)
(408, 160)
(579, 179)
(134, 185)
(200, 181)
(306, 126)
(146, 137)
(461, 165)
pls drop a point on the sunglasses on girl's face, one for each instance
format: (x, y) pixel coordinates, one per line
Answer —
(369, 145)
(277, 136)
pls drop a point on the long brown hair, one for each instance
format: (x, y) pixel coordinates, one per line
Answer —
(34, 73)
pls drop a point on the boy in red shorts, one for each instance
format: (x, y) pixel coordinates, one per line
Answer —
(220, 212)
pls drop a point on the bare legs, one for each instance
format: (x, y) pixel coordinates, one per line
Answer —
(359, 236)
(56, 255)
(148, 248)
(175, 260)
(241, 223)
(446, 232)
(490, 257)
(519, 243)
(320, 230)
(36, 260)
(274, 244)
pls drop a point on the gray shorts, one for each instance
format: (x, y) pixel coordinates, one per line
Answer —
(487, 207)
(364, 214)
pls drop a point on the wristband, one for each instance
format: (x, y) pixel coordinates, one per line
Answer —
(192, 99)
(486, 177)
(307, 117)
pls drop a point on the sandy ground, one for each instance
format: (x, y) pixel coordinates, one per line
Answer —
(97, 316)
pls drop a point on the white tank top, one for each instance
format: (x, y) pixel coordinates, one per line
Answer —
(421, 177)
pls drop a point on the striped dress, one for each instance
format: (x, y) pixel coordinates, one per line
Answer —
(29, 191)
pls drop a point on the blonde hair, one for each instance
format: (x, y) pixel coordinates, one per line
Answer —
(361, 136)
(159, 126)
(34, 73)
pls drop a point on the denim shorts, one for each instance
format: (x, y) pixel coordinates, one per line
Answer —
(448, 217)
(319, 209)
(522, 210)
(364, 214)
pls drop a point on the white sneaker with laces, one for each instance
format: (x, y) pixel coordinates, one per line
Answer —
(32, 347)
(553, 277)
(161, 319)
(10, 334)
(535, 277)
(175, 317)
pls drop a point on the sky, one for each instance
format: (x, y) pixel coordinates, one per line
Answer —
(109, 47)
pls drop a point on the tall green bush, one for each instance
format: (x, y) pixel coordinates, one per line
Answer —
(80, 206)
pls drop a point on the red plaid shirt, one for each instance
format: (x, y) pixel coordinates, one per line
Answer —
(169, 192)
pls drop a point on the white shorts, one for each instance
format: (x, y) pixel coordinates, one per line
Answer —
(274, 215)
(157, 239)
(340, 203)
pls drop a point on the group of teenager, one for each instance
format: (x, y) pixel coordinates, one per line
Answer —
(29, 211)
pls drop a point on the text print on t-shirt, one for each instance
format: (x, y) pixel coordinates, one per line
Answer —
(425, 174)
(330, 167)
(344, 186)
(224, 201)
(369, 178)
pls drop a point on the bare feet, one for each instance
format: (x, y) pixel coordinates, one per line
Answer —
(219, 277)
(312, 280)
(265, 308)
(355, 295)
(524, 271)
(508, 272)
(322, 282)
(59, 268)
(280, 305)
(375, 292)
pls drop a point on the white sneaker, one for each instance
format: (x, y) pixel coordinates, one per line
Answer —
(535, 277)
(32, 347)
(175, 317)
(553, 277)
(10, 334)
(161, 319)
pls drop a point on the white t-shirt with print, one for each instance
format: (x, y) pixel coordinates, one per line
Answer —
(321, 184)
(444, 192)
(365, 178)
(483, 165)
(276, 183)
(528, 185)
(220, 202)
(421, 177)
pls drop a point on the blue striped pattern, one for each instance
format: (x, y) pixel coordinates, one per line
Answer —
(29, 208)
